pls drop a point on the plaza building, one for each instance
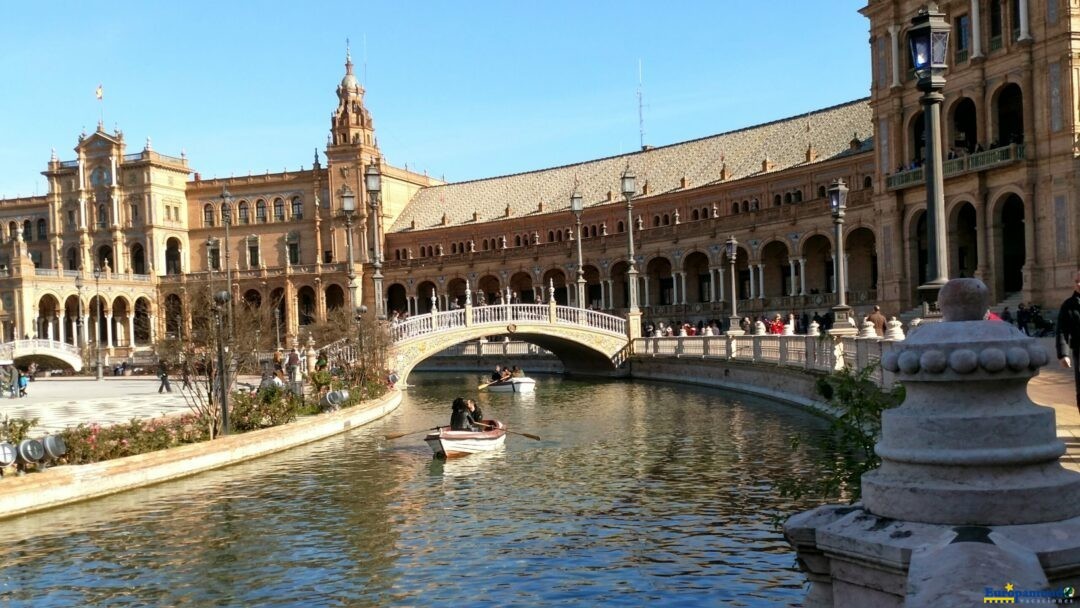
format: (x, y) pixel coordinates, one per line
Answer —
(143, 231)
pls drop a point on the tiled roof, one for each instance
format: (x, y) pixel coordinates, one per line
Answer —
(700, 161)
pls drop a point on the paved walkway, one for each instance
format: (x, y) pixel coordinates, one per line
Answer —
(63, 402)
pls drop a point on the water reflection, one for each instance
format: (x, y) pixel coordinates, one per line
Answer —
(637, 493)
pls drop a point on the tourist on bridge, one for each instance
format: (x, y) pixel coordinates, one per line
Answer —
(878, 320)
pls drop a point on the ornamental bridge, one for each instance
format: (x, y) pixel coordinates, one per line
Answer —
(53, 349)
(587, 341)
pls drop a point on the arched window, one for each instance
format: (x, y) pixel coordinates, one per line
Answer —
(867, 182)
(746, 205)
(208, 215)
(620, 227)
(592, 231)
(821, 191)
(694, 215)
(734, 208)
(242, 212)
(485, 245)
(667, 219)
(551, 236)
(796, 196)
(704, 213)
(260, 211)
(102, 217)
(776, 200)
(42, 230)
(72, 259)
(297, 209)
(787, 197)
(559, 236)
(28, 235)
(279, 210)
(656, 220)
(517, 241)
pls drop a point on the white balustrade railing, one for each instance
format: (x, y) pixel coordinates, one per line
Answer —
(7, 349)
(505, 315)
(816, 353)
(494, 349)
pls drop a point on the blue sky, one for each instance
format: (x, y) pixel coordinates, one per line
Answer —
(463, 90)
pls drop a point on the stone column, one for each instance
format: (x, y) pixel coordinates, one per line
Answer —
(131, 329)
(976, 30)
(1025, 34)
(49, 328)
(761, 281)
(674, 288)
(603, 293)
(108, 330)
(153, 328)
(802, 276)
(753, 283)
(792, 291)
(894, 38)
(832, 283)
(720, 284)
(86, 329)
(682, 290)
(63, 330)
(37, 327)
(645, 280)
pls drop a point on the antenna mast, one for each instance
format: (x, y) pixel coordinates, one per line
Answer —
(640, 105)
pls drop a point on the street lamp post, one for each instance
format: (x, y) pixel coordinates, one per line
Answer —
(226, 217)
(222, 298)
(97, 322)
(373, 183)
(277, 328)
(734, 326)
(361, 310)
(79, 342)
(348, 208)
(928, 39)
(629, 188)
(577, 206)
(838, 192)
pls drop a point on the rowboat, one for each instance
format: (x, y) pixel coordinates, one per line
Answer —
(453, 444)
(513, 385)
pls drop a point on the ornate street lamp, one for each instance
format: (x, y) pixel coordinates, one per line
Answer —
(373, 184)
(360, 311)
(226, 219)
(838, 192)
(929, 42)
(629, 188)
(348, 209)
(97, 323)
(222, 298)
(78, 313)
(734, 326)
(577, 206)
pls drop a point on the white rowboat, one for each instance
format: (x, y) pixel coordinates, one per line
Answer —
(513, 385)
(453, 444)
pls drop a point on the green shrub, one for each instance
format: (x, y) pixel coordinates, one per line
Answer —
(270, 406)
(15, 430)
(89, 443)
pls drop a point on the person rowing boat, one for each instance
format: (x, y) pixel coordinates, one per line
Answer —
(465, 415)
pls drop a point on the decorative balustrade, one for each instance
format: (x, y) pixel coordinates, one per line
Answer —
(7, 349)
(978, 161)
(816, 353)
(495, 349)
(505, 315)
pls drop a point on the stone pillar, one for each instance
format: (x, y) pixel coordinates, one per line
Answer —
(894, 38)
(792, 291)
(108, 330)
(802, 276)
(753, 282)
(761, 281)
(153, 328)
(1025, 34)
(131, 329)
(970, 494)
(86, 329)
(63, 330)
(832, 282)
(682, 290)
(37, 327)
(976, 30)
(49, 328)
(646, 301)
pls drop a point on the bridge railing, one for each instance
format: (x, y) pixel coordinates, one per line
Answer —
(8, 348)
(506, 315)
(817, 353)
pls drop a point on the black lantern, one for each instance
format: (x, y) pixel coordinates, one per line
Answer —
(928, 39)
(629, 183)
(732, 248)
(838, 192)
(372, 178)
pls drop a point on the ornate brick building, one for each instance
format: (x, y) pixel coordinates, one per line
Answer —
(1011, 119)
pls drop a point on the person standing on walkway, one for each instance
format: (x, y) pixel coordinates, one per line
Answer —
(878, 320)
(1067, 333)
(163, 373)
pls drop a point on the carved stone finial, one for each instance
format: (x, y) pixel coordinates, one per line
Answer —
(964, 300)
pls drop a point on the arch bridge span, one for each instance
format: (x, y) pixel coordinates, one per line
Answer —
(587, 341)
(61, 351)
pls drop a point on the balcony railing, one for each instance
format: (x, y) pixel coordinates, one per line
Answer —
(979, 161)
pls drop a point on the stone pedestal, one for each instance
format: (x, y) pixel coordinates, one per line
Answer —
(970, 495)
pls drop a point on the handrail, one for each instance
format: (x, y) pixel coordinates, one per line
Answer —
(505, 315)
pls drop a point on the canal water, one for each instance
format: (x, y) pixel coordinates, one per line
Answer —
(637, 494)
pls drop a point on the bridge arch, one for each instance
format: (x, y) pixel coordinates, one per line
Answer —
(588, 342)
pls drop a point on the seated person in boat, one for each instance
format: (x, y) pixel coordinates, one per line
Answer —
(459, 416)
(497, 374)
(476, 416)
(517, 372)
(506, 374)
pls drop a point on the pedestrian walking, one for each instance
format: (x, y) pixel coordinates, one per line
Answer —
(1067, 334)
(163, 373)
(878, 320)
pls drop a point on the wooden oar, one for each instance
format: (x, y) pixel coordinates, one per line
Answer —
(529, 435)
(485, 385)
(399, 435)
